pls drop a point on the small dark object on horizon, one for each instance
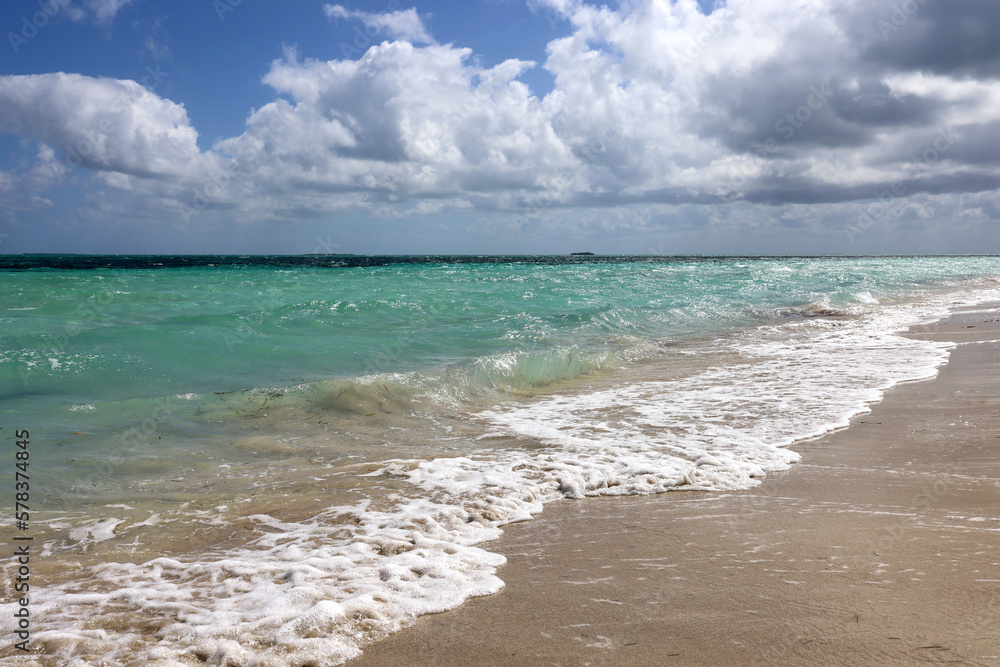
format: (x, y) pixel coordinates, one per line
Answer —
(581, 253)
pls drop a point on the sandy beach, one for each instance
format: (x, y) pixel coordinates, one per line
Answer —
(881, 547)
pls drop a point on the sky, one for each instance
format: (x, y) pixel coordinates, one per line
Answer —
(500, 126)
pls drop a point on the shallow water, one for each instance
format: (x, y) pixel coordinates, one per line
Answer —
(275, 463)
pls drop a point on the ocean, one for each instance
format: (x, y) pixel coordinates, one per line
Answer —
(278, 460)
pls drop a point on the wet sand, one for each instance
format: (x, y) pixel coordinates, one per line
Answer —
(882, 546)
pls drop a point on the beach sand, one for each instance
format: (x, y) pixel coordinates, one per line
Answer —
(882, 546)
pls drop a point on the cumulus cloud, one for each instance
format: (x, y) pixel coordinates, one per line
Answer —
(107, 125)
(404, 25)
(655, 103)
(402, 122)
(20, 190)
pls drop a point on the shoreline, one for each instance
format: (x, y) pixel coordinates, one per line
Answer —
(882, 544)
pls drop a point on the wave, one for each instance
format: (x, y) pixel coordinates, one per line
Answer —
(837, 305)
(482, 381)
(319, 589)
(504, 434)
(820, 309)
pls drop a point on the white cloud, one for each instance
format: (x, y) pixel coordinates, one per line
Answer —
(46, 172)
(157, 49)
(102, 124)
(655, 104)
(102, 12)
(404, 25)
(106, 10)
(403, 122)
(21, 190)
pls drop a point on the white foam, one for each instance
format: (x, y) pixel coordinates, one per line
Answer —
(98, 531)
(866, 297)
(301, 592)
(320, 590)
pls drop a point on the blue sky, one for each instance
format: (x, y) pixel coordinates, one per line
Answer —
(212, 56)
(499, 126)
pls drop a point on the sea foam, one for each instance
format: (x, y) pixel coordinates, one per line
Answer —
(317, 591)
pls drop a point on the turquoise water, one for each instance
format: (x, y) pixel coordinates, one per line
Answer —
(461, 393)
(80, 337)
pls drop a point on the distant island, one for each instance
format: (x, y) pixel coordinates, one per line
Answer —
(581, 253)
